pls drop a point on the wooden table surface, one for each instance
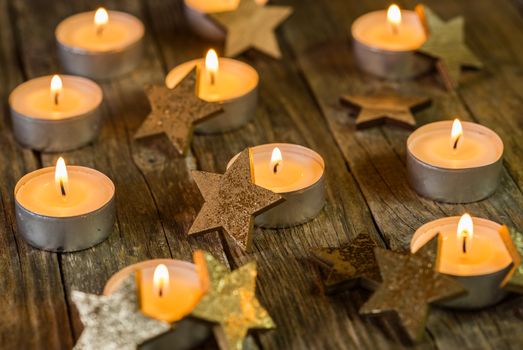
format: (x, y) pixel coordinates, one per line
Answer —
(366, 177)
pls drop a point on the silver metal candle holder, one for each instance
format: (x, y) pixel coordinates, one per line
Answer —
(63, 234)
(201, 25)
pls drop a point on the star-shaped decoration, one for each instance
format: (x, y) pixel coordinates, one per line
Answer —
(446, 43)
(232, 200)
(115, 322)
(410, 284)
(385, 108)
(175, 111)
(514, 242)
(252, 25)
(351, 265)
(230, 301)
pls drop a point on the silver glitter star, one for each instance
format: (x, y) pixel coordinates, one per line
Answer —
(114, 322)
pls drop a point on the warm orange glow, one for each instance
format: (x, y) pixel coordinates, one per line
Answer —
(276, 160)
(456, 134)
(394, 17)
(56, 88)
(212, 64)
(101, 18)
(161, 280)
(60, 177)
(465, 232)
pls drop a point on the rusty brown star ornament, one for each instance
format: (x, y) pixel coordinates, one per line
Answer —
(513, 240)
(410, 284)
(230, 301)
(252, 26)
(232, 200)
(174, 112)
(351, 265)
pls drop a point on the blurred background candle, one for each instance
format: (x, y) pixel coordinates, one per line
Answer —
(453, 161)
(56, 113)
(231, 83)
(100, 44)
(295, 172)
(65, 208)
(473, 252)
(385, 42)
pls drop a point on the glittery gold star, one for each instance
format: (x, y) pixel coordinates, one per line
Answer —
(230, 301)
(231, 201)
(514, 242)
(351, 265)
(410, 284)
(446, 43)
(175, 111)
(115, 321)
(385, 108)
(252, 25)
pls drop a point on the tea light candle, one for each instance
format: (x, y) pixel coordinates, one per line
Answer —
(56, 113)
(101, 45)
(231, 83)
(472, 252)
(457, 166)
(385, 42)
(169, 290)
(295, 172)
(196, 12)
(64, 209)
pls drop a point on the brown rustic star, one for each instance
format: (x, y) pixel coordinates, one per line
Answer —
(174, 112)
(381, 108)
(230, 301)
(231, 201)
(252, 25)
(410, 283)
(514, 242)
(446, 43)
(351, 265)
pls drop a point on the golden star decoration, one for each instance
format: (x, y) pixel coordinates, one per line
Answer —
(351, 265)
(231, 201)
(115, 322)
(446, 43)
(410, 284)
(514, 242)
(230, 301)
(175, 111)
(252, 25)
(385, 108)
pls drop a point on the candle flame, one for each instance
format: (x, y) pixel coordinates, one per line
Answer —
(161, 279)
(276, 160)
(212, 64)
(101, 18)
(465, 231)
(61, 178)
(56, 88)
(394, 16)
(456, 134)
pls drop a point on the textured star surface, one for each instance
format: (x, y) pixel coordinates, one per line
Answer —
(514, 242)
(385, 108)
(252, 26)
(446, 43)
(350, 265)
(114, 322)
(410, 284)
(231, 201)
(230, 301)
(175, 111)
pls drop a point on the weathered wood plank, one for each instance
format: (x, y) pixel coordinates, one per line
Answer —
(376, 157)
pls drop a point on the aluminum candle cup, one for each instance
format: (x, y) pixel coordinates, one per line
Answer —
(41, 124)
(184, 291)
(235, 89)
(469, 173)
(111, 48)
(299, 178)
(84, 218)
(481, 270)
(386, 52)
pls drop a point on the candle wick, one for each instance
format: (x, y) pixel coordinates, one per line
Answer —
(99, 30)
(394, 29)
(456, 142)
(464, 247)
(160, 291)
(275, 169)
(62, 188)
(56, 94)
(213, 78)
